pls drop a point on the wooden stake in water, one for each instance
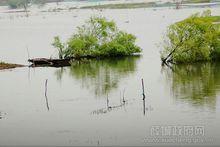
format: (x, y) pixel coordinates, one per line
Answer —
(107, 102)
(143, 93)
(45, 94)
(46, 88)
(123, 96)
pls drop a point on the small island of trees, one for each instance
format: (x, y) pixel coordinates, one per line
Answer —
(98, 38)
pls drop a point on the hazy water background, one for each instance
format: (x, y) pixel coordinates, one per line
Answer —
(77, 115)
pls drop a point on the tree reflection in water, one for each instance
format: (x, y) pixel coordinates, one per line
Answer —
(198, 83)
(101, 76)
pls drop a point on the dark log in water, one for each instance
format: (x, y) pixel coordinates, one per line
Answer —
(42, 62)
(50, 62)
(36, 62)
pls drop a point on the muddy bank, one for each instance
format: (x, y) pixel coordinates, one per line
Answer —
(9, 65)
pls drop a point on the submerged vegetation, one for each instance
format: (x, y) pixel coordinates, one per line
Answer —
(4, 65)
(194, 39)
(97, 38)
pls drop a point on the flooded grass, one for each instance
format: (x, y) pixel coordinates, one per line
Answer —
(121, 6)
(124, 6)
(142, 5)
(197, 1)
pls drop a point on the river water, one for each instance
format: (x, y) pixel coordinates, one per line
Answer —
(84, 104)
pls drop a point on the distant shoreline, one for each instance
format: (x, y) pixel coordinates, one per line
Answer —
(113, 4)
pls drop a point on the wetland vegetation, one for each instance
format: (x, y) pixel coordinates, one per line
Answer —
(194, 39)
(98, 38)
(4, 65)
(122, 6)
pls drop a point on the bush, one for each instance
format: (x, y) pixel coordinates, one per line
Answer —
(40, 3)
(97, 38)
(193, 39)
(13, 4)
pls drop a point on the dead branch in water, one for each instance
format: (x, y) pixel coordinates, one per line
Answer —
(109, 108)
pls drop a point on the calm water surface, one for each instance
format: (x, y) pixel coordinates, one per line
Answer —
(75, 112)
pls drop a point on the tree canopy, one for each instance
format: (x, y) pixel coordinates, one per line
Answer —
(13, 4)
(98, 37)
(194, 39)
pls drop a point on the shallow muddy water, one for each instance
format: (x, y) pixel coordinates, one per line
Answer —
(74, 110)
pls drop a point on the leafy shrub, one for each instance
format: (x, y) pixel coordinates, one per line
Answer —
(59, 45)
(193, 39)
(40, 3)
(98, 38)
(13, 4)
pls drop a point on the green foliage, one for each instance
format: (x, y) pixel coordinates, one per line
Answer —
(197, 1)
(60, 46)
(13, 4)
(193, 39)
(40, 3)
(98, 38)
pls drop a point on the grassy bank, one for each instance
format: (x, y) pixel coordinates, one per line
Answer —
(4, 65)
(196, 1)
(215, 18)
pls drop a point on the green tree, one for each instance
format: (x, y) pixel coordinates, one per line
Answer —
(60, 46)
(13, 4)
(193, 39)
(97, 38)
(40, 3)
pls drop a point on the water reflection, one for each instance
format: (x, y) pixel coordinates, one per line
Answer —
(101, 76)
(198, 84)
